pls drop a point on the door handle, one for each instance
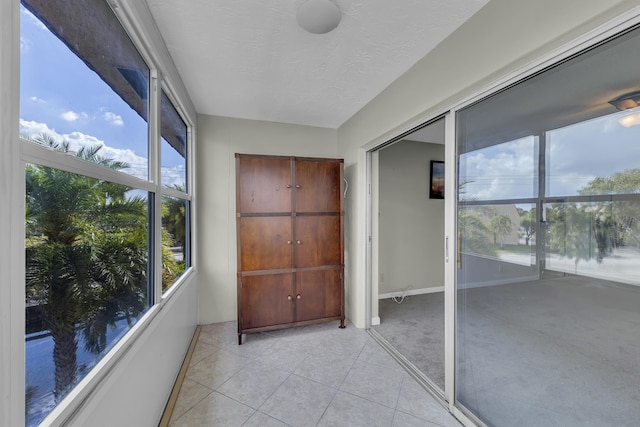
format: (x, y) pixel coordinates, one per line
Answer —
(459, 250)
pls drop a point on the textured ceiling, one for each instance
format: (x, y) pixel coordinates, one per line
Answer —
(250, 59)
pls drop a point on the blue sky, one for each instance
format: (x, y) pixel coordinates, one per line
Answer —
(576, 155)
(61, 96)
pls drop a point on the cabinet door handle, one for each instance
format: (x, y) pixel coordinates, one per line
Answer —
(288, 185)
(298, 296)
(289, 297)
(297, 185)
(298, 242)
(288, 242)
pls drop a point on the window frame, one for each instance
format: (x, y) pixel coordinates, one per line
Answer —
(157, 58)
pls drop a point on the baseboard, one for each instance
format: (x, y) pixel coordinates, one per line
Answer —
(412, 292)
(375, 321)
(173, 397)
(500, 282)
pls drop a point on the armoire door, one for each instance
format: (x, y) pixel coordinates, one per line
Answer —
(317, 241)
(317, 186)
(267, 300)
(265, 242)
(318, 294)
(265, 186)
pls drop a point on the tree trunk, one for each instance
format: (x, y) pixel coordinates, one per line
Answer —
(65, 350)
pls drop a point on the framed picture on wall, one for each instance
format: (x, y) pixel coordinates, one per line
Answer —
(436, 189)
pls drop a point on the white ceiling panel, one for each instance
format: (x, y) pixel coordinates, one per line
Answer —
(250, 59)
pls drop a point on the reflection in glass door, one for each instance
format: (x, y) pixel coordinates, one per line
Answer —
(548, 220)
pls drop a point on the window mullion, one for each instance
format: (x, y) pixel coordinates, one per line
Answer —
(43, 156)
(154, 176)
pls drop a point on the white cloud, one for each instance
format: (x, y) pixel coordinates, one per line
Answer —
(70, 116)
(77, 140)
(25, 44)
(173, 176)
(502, 171)
(30, 129)
(36, 100)
(33, 19)
(113, 118)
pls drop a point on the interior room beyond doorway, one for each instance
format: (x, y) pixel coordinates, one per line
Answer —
(410, 230)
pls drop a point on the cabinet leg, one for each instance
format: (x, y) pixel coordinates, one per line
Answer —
(239, 338)
(341, 324)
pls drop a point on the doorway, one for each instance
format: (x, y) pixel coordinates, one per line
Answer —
(408, 260)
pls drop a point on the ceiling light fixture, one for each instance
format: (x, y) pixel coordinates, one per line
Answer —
(628, 101)
(318, 16)
(630, 119)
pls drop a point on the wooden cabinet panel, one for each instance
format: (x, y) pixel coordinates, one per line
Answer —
(267, 300)
(265, 185)
(317, 241)
(265, 243)
(318, 185)
(318, 294)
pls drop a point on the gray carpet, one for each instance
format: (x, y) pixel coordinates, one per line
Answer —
(415, 328)
(557, 352)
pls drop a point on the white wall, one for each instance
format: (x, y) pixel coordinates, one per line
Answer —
(411, 224)
(136, 391)
(219, 138)
(502, 37)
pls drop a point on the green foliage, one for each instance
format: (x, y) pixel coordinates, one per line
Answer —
(500, 227)
(528, 223)
(627, 182)
(86, 256)
(174, 216)
(593, 230)
(476, 236)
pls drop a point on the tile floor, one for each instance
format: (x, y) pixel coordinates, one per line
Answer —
(316, 375)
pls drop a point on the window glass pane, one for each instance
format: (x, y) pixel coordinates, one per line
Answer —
(174, 147)
(595, 239)
(500, 171)
(83, 81)
(504, 232)
(87, 263)
(175, 239)
(599, 156)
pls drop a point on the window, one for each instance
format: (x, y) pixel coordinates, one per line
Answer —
(94, 203)
(87, 263)
(174, 146)
(175, 205)
(89, 94)
(175, 242)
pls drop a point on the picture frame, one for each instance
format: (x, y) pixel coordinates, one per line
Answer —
(436, 183)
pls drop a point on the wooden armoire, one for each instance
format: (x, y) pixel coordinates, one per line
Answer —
(290, 227)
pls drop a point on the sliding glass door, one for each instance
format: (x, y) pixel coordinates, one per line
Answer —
(547, 281)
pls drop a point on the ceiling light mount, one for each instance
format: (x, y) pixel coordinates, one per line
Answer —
(318, 16)
(630, 103)
(626, 101)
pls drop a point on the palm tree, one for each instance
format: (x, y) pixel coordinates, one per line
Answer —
(528, 223)
(174, 229)
(500, 226)
(86, 256)
(475, 234)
